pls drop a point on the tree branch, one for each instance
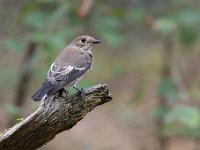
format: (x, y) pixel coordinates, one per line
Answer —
(55, 114)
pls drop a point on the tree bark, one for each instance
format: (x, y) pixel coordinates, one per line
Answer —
(55, 114)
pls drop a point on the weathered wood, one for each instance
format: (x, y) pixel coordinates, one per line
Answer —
(55, 114)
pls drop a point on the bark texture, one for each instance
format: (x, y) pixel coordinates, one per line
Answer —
(55, 114)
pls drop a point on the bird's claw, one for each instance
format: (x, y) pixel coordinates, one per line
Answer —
(63, 91)
(66, 92)
(81, 91)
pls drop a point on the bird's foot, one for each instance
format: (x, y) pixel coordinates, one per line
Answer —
(61, 91)
(80, 91)
(65, 91)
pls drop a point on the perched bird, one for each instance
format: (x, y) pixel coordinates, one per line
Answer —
(68, 68)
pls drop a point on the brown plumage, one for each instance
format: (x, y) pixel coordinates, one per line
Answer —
(69, 67)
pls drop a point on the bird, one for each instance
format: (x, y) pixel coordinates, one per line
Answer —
(68, 68)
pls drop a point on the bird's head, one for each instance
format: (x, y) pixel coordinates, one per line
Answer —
(85, 42)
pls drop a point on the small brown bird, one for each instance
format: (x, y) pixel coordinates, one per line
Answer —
(68, 68)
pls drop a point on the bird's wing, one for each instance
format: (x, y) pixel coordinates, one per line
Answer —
(67, 73)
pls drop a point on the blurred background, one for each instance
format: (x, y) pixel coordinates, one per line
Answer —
(149, 57)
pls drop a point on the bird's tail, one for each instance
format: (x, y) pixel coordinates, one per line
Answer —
(46, 89)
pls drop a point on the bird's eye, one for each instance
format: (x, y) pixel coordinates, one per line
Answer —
(83, 40)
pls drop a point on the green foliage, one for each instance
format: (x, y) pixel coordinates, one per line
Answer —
(188, 17)
(50, 17)
(188, 21)
(113, 23)
(184, 120)
(52, 23)
(165, 26)
(35, 19)
(179, 120)
(113, 39)
(188, 36)
(13, 45)
(167, 90)
(183, 25)
(47, 22)
(186, 116)
(160, 112)
(12, 110)
(109, 29)
(135, 15)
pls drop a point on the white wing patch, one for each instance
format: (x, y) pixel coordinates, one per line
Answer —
(64, 70)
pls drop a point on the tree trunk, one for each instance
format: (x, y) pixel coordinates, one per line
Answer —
(56, 114)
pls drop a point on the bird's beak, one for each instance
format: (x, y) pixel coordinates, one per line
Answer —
(96, 41)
